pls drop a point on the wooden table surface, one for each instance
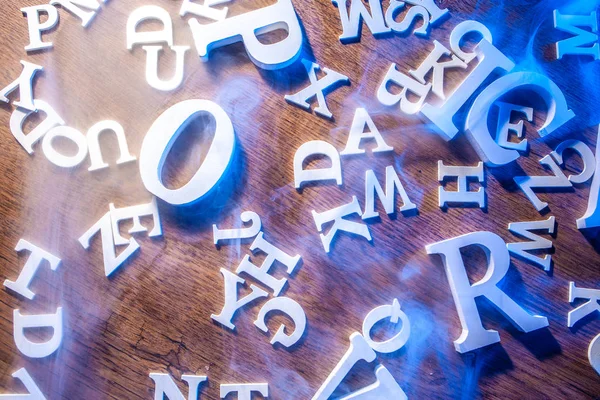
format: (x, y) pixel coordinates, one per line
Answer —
(153, 315)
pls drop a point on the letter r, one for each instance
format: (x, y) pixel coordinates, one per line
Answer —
(474, 335)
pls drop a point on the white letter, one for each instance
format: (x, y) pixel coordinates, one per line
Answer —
(408, 85)
(528, 183)
(24, 82)
(395, 315)
(34, 392)
(134, 212)
(152, 68)
(18, 117)
(38, 350)
(594, 353)
(537, 242)
(589, 161)
(36, 27)
(462, 195)
(359, 350)
(93, 135)
(351, 24)
(111, 261)
(505, 111)
(204, 10)
(388, 198)
(164, 386)
(385, 387)
(436, 12)
(490, 59)
(290, 308)
(474, 335)
(591, 219)
(586, 308)
(60, 159)
(247, 28)
(574, 45)
(162, 136)
(317, 147)
(21, 285)
(339, 223)
(72, 6)
(145, 13)
(463, 29)
(236, 234)
(232, 304)
(329, 82)
(244, 390)
(262, 273)
(432, 63)
(357, 133)
(476, 125)
(412, 15)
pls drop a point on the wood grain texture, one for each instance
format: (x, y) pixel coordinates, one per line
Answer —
(154, 314)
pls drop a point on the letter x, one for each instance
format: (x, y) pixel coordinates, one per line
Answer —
(317, 88)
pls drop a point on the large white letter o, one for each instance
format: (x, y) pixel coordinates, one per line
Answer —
(160, 139)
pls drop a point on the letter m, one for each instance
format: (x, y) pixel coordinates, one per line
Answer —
(575, 45)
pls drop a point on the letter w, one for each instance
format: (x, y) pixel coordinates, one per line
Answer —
(351, 24)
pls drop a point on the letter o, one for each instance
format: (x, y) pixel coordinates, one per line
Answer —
(59, 159)
(162, 136)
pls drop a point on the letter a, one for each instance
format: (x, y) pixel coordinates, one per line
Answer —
(474, 335)
(34, 392)
(357, 133)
